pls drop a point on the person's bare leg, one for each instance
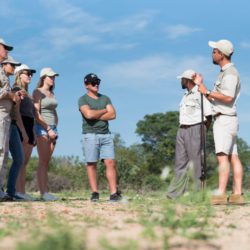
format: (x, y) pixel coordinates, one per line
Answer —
(237, 174)
(111, 175)
(91, 170)
(224, 170)
(45, 149)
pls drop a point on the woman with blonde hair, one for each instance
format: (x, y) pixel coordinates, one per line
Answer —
(46, 127)
(23, 75)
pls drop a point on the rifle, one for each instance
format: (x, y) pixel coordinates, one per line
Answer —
(203, 148)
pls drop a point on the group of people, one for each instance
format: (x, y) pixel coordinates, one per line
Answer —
(31, 120)
(25, 121)
(219, 103)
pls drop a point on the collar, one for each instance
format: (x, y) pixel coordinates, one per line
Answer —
(192, 91)
(226, 66)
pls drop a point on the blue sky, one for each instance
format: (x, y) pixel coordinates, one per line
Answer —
(137, 48)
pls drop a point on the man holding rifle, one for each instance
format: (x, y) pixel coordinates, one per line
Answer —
(188, 148)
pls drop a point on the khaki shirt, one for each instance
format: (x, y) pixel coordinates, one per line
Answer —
(5, 103)
(228, 83)
(190, 107)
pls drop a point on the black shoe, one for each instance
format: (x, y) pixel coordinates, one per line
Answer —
(94, 197)
(6, 198)
(115, 197)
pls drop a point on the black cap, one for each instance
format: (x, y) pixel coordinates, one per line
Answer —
(91, 77)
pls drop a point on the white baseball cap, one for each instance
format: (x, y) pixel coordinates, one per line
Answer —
(225, 46)
(24, 67)
(8, 47)
(48, 72)
(10, 60)
(188, 74)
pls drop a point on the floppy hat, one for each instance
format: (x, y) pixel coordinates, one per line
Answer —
(188, 74)
(48, 72)
(8, 47)
(225, 46)
(91, 77)
(24, 67)
(10, 60)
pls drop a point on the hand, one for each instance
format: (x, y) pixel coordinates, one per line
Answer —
(52, 135)
(21, 94)
(198, 79)
(25, 137)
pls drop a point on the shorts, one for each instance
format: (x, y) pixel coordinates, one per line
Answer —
(98, 146)
(28, 124)
(40, 131)
(225, 134)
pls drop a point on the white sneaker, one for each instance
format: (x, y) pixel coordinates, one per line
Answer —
(49, 197)
(26, 197)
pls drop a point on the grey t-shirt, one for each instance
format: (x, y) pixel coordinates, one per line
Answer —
(94, 126)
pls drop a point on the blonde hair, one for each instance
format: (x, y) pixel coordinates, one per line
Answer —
(18, 81)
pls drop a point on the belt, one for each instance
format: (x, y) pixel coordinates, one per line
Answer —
(188, 126)
(219, 114)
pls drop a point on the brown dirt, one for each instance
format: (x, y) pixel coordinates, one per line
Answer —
(119, 225)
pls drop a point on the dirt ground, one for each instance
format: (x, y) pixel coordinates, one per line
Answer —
(118, 224)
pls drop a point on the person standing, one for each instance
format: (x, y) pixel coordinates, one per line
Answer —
(46, 121)
(23, 76)
(223, 98)
(188, 139)
(96, 110)
(7, 99)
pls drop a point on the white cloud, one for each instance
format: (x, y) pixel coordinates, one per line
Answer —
(151, 71)
(180, 30)
(245, 45)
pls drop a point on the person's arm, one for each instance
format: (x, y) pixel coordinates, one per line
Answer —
(211, 95)
(92, 114)
(110, 115)
(19, 122)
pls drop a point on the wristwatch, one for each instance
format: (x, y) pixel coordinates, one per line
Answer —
(208, 92)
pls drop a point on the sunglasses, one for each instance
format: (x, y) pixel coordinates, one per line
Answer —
(95, 83)
(27, 73)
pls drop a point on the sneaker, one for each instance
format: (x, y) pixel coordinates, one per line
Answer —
(2, 194)
(6, 198)
(49, 197)
(236, 199)
(115, 197)
(24, 196)
(94, 196)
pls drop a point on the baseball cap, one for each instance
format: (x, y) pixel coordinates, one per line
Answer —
(24, 67)
(188, 74)
(225, 46)
(10, 60)
(91, 77)
(48, 72)
(8, 47)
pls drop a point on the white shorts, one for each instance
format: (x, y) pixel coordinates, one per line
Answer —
(225, 134)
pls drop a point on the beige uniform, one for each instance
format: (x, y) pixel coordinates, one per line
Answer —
(226, 123)
(5, 120)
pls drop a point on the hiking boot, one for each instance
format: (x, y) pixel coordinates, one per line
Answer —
(115, 197)
(94, 197)
(236, 199)
(219, 199)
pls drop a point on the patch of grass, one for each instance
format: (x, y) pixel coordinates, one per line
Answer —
(128, 245)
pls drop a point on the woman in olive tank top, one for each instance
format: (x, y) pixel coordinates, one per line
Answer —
(45, 127)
